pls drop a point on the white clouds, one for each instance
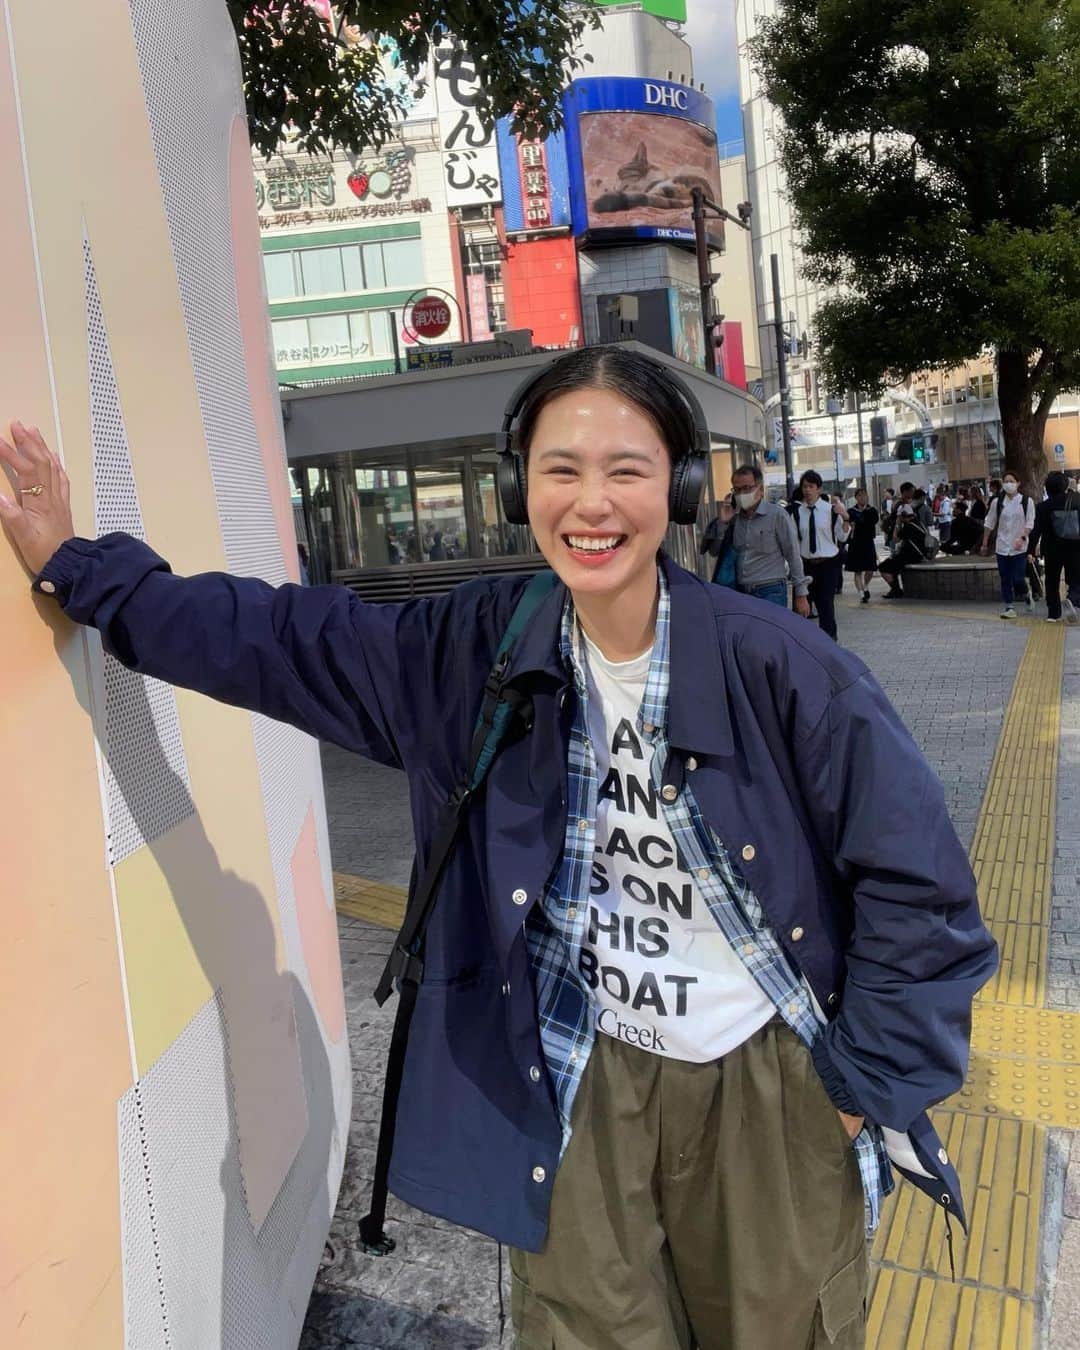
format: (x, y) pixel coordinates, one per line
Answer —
(710, 30)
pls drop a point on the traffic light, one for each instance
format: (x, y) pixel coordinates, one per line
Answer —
(918, 450)
(879, 434)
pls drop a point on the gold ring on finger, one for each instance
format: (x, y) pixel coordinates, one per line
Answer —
(35, 491)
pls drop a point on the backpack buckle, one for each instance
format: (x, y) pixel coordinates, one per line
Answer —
(401, 966)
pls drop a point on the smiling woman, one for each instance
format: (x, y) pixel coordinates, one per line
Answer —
(598, 956)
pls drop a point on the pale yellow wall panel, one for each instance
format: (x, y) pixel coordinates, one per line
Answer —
(121, 960)
(166, 981)
(60, 984)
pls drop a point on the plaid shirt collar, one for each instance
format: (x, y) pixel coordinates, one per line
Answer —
(652, 715)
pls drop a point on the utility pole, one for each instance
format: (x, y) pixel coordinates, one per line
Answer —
(862, 447)
(782, 375)
(705, 277)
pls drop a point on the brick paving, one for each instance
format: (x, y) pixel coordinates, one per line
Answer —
(950, 679)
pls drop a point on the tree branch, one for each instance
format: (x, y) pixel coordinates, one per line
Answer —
(1041, 366)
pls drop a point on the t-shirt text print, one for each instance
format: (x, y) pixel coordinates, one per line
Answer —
(661, 974)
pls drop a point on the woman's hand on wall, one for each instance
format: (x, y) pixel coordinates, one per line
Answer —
(37, 518)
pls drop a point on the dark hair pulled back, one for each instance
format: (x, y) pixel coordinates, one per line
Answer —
(634, 377)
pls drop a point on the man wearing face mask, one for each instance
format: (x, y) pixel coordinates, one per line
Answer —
(763, 537)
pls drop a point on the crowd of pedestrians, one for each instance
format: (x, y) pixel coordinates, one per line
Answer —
(762, 548)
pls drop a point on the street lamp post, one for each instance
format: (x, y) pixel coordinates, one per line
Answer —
(782, 377)
(702, 204)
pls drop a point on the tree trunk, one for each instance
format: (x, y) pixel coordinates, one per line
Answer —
(1022, 424)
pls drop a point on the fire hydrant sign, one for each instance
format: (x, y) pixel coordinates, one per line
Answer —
(430, 317)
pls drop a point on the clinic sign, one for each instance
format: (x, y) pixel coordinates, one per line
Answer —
(636, 149)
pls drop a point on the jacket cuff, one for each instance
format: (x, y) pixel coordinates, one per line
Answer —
(58, 575)
(832, 1081)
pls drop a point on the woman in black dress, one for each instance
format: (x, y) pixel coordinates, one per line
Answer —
(861, 549)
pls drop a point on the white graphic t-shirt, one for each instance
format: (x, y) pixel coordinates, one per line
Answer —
(661, 973)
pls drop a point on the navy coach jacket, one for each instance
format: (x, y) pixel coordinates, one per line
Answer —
(796, 758)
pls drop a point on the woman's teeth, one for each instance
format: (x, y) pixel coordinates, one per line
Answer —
(593, 545)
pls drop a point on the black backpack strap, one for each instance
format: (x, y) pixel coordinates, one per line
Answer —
(502, 709)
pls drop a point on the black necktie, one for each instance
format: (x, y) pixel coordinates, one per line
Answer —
(813, 528)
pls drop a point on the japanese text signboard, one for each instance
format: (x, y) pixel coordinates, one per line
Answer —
(470, 155)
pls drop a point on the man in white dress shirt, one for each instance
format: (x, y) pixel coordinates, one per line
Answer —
(822, 525)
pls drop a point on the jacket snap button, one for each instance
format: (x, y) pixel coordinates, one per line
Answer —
(539, 1175)
(796, 935)
(519, 897)
(669, 792)
(691, 764)
(942, 1156)
(749, 853)
(534, 1074)
(831, 1000)
(48, 588)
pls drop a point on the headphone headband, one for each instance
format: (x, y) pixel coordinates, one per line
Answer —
(688, 471)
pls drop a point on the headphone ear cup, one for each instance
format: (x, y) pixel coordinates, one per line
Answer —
(687, 485)
(511, 479)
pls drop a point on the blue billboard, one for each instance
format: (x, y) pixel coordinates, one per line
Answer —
(535, 179)
(636, 149)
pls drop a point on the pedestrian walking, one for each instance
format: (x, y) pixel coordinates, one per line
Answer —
(1056, 535)
(822, 524)
(681, 998)
(763, 540)
(1009, 522)
(862, 559)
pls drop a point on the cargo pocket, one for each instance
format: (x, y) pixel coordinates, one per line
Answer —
(841, 1312)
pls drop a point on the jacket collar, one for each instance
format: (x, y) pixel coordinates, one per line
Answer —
(698, 719)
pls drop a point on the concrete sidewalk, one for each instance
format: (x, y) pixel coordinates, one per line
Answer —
(998, 715)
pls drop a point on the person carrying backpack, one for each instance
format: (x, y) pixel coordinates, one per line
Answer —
(677, 1003)
(1057, 536)
(1012, 516)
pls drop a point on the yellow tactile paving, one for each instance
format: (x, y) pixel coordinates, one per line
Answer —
(1012, 854)
(370, 900)
(1024, 1075)
(910, 1312)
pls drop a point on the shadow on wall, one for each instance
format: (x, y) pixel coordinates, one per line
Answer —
(175, 1158)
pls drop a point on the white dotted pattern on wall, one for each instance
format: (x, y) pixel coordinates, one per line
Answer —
(146, 777)
(145, 1314)
(187, 54)
(191, 1246)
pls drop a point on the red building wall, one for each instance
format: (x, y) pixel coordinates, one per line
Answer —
(541, 282)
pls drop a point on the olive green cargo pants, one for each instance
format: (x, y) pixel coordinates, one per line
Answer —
(716, 1206)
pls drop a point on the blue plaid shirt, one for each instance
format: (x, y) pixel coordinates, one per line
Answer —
(555, 928)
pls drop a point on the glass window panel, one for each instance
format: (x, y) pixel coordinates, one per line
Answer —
(374, 275)
(330, 337)
(291, 344)
(489, 545)
(382, 343)
(280, 281)
(320, 271)
(988, 386)
(353, 267)
(440, 500)
(384, 512)
(361, 337)
(403, 262)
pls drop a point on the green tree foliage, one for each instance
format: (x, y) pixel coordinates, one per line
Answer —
(325, 81)
(932, 149)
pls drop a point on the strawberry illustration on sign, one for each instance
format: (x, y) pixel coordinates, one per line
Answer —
(358, 181)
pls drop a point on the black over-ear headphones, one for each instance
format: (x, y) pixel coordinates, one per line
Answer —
(689, 469)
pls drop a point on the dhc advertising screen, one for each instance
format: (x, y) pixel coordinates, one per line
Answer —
(636, 150)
